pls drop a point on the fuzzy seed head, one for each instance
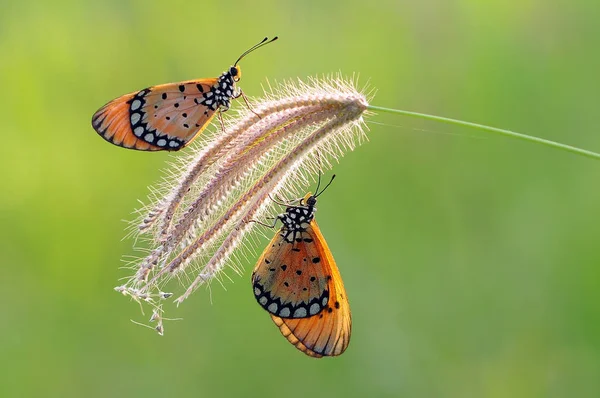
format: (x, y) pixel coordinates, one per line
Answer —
(200, 219)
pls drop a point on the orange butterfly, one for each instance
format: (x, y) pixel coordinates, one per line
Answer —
(168, 116)
(298, 283)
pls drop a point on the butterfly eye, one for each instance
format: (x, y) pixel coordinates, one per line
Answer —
(311, 201)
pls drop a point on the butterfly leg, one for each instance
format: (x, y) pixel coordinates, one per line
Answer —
(286, 204)
(221, 121)
(265, 224)
(248, 103)
(278, 202)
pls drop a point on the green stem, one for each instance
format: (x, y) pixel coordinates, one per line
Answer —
(508, 133)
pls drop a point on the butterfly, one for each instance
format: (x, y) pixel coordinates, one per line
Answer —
(297, 281)
(168, 116)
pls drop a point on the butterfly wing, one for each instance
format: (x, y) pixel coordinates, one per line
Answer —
(300, 285)
(164, 117)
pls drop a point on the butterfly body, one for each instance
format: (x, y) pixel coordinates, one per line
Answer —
(296, 280)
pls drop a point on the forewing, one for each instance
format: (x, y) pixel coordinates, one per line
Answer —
(289, 279)
(164, 117)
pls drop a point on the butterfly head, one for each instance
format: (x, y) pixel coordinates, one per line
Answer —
(236, 73)
(311, 200)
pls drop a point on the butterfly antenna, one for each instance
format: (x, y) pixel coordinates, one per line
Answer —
(264, 42)
(318, 183)
(326, 186)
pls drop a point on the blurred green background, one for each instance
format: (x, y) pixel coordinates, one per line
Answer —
(471, 261)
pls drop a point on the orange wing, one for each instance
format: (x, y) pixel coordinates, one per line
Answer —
(164, 117)
(300, 286)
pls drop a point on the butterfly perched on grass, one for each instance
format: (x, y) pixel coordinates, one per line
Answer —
(297, 281)
(168, 116)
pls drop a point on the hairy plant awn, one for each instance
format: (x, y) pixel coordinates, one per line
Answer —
(168, 116)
